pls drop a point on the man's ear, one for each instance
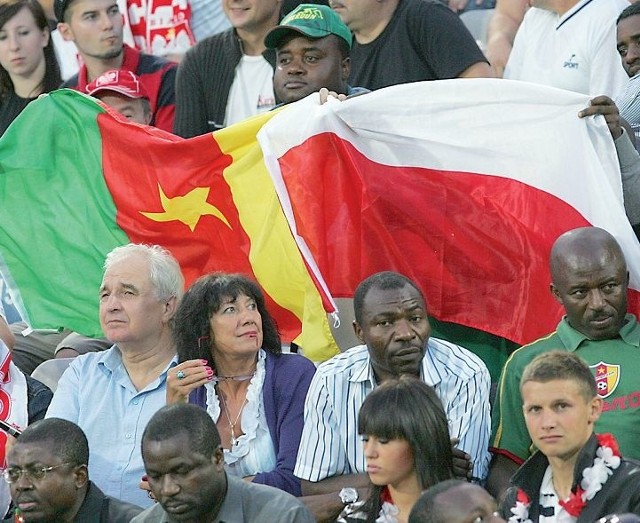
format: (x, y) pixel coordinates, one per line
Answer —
(218, 458)
(596, 409)
(556, 293)
(346, 68)
(358, 330)
(81, 476)
(66, 32)
(170, 307)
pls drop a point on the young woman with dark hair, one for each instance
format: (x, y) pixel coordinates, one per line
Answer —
(28, 63)
(406, 443)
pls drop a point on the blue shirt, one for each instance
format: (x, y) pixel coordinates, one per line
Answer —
(95, 392)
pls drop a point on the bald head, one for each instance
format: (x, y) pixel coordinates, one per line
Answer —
(584, 244)
(589, 278)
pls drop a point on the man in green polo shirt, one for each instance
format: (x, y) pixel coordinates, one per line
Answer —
(589, 278)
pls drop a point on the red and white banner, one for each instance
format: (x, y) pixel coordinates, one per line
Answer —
(462, 185)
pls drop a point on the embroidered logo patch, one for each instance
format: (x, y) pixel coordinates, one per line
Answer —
(607, 378)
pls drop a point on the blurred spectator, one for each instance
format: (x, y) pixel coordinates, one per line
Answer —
(208, 18)
(628, 39)
(455, 501)
(401, 41)
(501, 32)
(463, 6)
(27, 60)
(161, 27)
(228, 77)
(24, 400)
(569, 44)
(96, 27)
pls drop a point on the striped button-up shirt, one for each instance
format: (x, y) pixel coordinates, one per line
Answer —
(330, 443)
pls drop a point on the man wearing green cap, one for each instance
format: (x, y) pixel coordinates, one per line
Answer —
(312, 51)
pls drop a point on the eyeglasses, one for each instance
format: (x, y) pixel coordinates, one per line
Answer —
(11, 475)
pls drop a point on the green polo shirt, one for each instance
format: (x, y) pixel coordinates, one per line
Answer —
(616, 366)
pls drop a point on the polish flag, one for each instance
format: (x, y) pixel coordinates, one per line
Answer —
(462, 185)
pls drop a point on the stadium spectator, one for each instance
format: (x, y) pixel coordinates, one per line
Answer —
(406, 452)
(569, 44)
(464, 6)
(401, 41)
(628, 156)
(27, 60)
(185, 466)
(312, 51)
(628, 32)
(123, 91)
(455, 501)
(96, 27)
(575, 475)
(49, 478)
(589, 278)
(231, 364)
(229, 76)
(112, 395)
(24, 401)
(391, 321)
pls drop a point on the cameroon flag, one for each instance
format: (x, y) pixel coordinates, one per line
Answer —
(76, 181)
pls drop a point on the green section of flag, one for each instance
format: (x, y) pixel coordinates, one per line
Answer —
(57, 217)
(493, 350)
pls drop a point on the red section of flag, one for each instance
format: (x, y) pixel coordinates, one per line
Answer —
(477, 244)
(137, 164)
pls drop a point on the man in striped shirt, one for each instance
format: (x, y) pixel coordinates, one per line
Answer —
(391, 321)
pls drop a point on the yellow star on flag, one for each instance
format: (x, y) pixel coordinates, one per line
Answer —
(187, 209)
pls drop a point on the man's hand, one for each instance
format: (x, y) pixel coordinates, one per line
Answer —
(325, 94)
(606, 107)
(462, 465)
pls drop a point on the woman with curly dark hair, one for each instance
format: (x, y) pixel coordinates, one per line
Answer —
(231, 364)
(28, 63)
(405, 434)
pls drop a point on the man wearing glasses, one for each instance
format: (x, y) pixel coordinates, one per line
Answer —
(49, 481)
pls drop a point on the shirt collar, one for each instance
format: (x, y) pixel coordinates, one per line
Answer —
(572, 339)
(231, 509)
(111, 363)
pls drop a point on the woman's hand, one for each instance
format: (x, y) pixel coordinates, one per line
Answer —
(185, 377)
(144, 485)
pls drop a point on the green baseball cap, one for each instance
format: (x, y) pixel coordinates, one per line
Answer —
(310, 20)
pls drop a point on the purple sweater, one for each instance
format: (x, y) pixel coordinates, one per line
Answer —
(286, 381)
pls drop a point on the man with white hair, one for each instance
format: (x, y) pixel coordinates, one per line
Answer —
(112, 395)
